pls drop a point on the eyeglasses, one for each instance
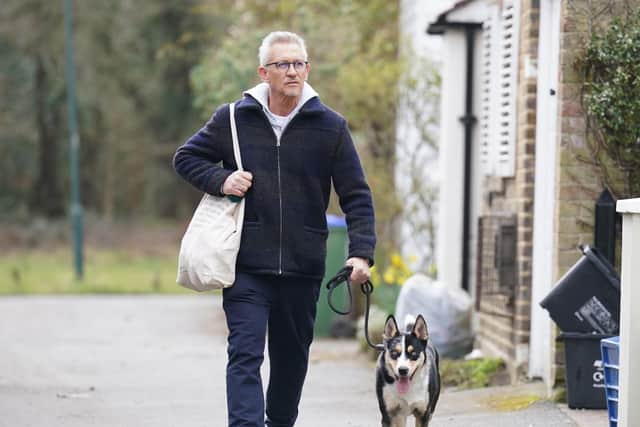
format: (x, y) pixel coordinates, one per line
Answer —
(284, 65)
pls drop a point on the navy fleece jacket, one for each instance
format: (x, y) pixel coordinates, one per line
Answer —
(285, 228)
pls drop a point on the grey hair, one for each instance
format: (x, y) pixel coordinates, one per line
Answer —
(279, 37)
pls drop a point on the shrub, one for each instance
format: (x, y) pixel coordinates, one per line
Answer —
(612, 100)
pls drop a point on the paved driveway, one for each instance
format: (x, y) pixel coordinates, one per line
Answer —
(158, 361)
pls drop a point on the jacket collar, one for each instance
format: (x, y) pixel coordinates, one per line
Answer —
(312, 104)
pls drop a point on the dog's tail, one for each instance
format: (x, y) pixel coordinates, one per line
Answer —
(409, 321)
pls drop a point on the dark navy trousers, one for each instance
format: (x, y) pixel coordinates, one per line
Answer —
(282, 309)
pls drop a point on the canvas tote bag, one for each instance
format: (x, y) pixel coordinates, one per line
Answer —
(210, 245)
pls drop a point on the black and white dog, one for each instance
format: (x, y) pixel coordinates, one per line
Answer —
(407, 376)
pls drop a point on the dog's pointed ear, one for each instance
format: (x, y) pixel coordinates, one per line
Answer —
(420, 329)
(390, 328)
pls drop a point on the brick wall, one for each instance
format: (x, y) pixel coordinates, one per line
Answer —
(579, 183)
(496, 312)
(501, 333)
(503, 326)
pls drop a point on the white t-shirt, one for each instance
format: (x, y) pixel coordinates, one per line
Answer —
(278, 123)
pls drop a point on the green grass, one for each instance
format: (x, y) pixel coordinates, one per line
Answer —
(466, 374)
(105, 271)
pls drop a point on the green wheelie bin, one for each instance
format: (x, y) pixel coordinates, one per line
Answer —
(336, 257)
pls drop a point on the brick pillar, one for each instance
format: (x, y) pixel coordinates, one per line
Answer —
(525, 172)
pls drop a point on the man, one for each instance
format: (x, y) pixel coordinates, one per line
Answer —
(292, 148)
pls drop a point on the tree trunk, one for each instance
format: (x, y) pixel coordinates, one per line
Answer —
(46, 198)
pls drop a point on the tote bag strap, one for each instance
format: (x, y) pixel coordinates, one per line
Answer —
(234, 136)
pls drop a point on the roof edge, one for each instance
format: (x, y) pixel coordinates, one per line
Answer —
(441, 25)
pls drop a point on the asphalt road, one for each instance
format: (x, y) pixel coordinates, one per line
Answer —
(110, 361)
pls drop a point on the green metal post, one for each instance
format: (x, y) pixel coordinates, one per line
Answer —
(76, 207)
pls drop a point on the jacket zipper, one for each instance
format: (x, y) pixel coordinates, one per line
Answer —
(280, 200)
(278, 138)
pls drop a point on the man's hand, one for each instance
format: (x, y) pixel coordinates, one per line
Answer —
(361, 272)
(237, 184)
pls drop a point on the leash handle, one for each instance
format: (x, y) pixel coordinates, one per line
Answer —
(342, 276)
(367, 288)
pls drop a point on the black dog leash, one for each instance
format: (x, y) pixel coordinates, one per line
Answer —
(367, 288)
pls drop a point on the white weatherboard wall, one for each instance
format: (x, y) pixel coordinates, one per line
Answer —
(628, 406)
(541, 344)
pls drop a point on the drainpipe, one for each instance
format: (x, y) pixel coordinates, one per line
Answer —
(468, 120)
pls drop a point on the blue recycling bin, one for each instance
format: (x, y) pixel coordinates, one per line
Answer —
(610, 348)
